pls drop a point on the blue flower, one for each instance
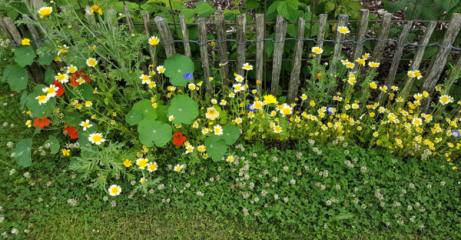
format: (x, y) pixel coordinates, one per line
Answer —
(455, 133)
(330, 110)
(251, 108)
(188, 76)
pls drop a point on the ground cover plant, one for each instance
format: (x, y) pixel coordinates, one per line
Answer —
(127, 127)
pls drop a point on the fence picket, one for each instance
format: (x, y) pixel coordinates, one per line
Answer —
(320, 37)
(241, 31)
(362, 33)
(383, 37)
(398, 54)
(260, 35)
(146, 20)
(203, 41)
(12, 30)
(279, 43)
(185, 35)
(128, 19)
(295, 71)
(165, 35)
(222, 47)
(338, 45)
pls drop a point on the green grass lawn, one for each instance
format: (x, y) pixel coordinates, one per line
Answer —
(313, 192)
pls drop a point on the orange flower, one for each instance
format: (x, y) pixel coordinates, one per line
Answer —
(42, 122)
(178, 139)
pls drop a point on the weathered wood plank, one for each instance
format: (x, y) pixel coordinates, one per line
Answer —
(222, 47)
(260, 36)
(295, 71)
(398, 53)
(146, 20)
(152, 50)
(241, 30)
(338, 45)
(320, 37)
(441, 58)
(203, 41)
(185, 35)
(279, 43)
(12, 30)
(128, 19)
(165, 34)
(362, 33)
(383, 37)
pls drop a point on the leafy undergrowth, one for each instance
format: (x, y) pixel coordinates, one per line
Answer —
(333, 191)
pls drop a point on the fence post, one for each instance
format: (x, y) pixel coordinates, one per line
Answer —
(361, 34)
(203, 41)
(398, 53)
(260, 35)
(280, 32)
(294, 77)
(440, 60)
(146, 20)
(165, 34)
(382, 39)
(338, 45)
(321, 35)
(129, 21)
(241, 30)
(12, 30)
(222, 47)
(185, 35)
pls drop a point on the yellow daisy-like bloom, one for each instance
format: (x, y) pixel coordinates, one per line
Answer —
(179, 168)
(45, 11)
(317, 50)
(366, 56)
(28, 123)
(343, 30)
(62, 77)
(237, 121)
(152, 167)
(347, 64)
(161, 69)
(88, 104)
(360, 61)
(277, 129)
(373, 64)
(86, 124)
(304, 97)
(42, 99)
(114, 190)
(145, 79)
(217, 130)
(230, 159)
(91, 62)
(154, 41)
(96, 138)
(192, 87)
(94, 9)
(238, 87)
(142, 163)
(417, 122)
(51, 90)
(247, 67)
(238, 78)
(25, 42)
(65, 152)
(71, 69)
(257, 105)
(445, 99)
(189, 148)
(212, 114)
(351, 80)
(373, 85)
(201, 148)
(285, 109)
(270, 99)
(127, 163)
(414, 74)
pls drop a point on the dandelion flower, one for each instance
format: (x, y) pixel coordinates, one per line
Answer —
(86, 124)
(154, 41)
(373, 64)
(91, 62)
(270, 99)
(317, 50)
(114, 190)
(96, 138)
(45, 11)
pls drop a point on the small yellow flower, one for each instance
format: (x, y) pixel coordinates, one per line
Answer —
(343, 30)
(360, 61)
(212, 114)
(270, 99)
(42, 99)
(71, 69)
(218, 130)
(161, 69)
(28, 123)
(373, 64)
(414, 74)
(277, 129)
(317, 50)
(25, 42)
(373, 85)
(154, 41)
(114, 190)
(201, 148)
(91, 62)
(192, 86)
(247, 67)
(445, 99)
(127, 163)
(88, 104)
(145, 79)
(45, 11)
(96, 138)
(179, 168)
(238, 78)
(65, 152)
(94, 9)
(152, 167)
(86, 124)
(142, 163)
(230, 159)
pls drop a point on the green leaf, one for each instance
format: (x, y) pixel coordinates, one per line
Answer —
(49, 75)
(204, 9)
(37, 109)
(152, 132)
(24, 55)
(216, 147)
(231, 134)
(22, 152)
(142, 109)
(176, 67)
(184, 109)
(54, 144)
(16, 77)
(45, 59)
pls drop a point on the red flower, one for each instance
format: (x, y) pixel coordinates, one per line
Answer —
(42, 122)
(178, 139)
(60, 88)
(74, 78)
(71, 132)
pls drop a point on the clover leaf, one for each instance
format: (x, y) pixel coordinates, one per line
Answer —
(179, 69)
(183, 108)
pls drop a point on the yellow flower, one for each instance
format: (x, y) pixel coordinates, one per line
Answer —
(71, 69)
(152, 167)
(304, 97)
(237, 121)
(414, 74)
(217, 129)
(142, 163)
(179, 168)
(230, 159)
(191, 86)
(62, 77)
(127, 163)
(257, 105)
(348, 64)
(270, 99)
(50, 90)
(28, 123)
(373, 85)
(355, 106)
(114, 190)
(238, 78)
(25, 42)
(96, 138)
(247, 67)
(317, 50)
(45, 11)
(94, 9)
(154, 41)
(88, 104)
(65, 152)
(161, 69)
(277, 129)
(145, 79)
(91, 62)
(351, 79)
(42, 99)
(201, 148)
(343, 30)
(417, 122)
(373, 64)
(212, 114)
(360, 61)
(366, 56)
(445, 99)
(238, 87)
(285, 109)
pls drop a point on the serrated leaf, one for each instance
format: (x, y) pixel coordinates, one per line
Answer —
(184, 109)
(177, 69)
(216, 147)
(231, 134)
(22, 152)
(152, 132)
(142, 109)
(24, 55)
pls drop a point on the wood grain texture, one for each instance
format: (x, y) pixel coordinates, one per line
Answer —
(279, 44)
(260, 38)
(382, 38)
(185, 35)
(222, 47)
(296, 69)
(363, 27)
(338, 45)
(203, 41)
(321, 36)
(241, 32)
(165, 34)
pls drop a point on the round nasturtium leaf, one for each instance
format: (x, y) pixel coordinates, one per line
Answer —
(142, 109)
(16, 77)
(38, 110)
(24, 55)
(216, 147)
(22, 152)
(179, 69)
(183, 108)
(152, 132)
(231, 134)
(53, 143)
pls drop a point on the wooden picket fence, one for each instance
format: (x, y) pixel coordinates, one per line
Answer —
(432, 75)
